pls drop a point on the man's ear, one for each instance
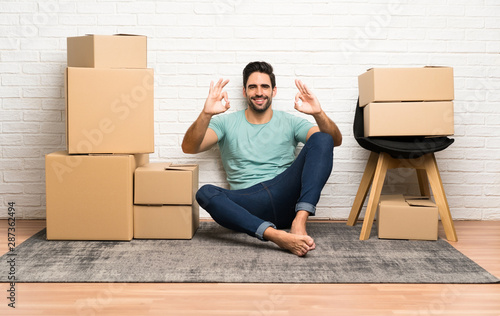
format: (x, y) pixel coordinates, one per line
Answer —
(275, 90)
(244, 92)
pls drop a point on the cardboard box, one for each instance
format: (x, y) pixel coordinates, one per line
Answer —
(166, 183)
(407, 217)
(109, 111)
(107, 51)
(406, 84)
(409, 119)
(90, 197)
(166, 221)
(141, 159)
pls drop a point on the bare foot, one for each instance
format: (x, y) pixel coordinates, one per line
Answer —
(298, 228)
(296, 244)
(299, 225)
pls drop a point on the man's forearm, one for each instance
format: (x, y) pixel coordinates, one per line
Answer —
(195, 134)
(326, 125)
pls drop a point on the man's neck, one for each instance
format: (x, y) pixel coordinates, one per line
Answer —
(254, 117)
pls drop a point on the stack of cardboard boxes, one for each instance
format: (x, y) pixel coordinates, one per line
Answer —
(109, 133)
(407, 102)
(165, 207)
(109, 96)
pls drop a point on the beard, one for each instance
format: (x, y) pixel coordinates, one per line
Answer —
(260, 108)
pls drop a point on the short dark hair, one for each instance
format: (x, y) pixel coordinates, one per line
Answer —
(258, 66)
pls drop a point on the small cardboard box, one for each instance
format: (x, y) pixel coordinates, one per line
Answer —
(109, 111)
(90, 197)
(166, 221)
(407, 217)
(166, 183)
(409, 119)
(107, 51)
(406, 84)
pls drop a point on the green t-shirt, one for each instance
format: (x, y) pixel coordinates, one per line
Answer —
(253, 153)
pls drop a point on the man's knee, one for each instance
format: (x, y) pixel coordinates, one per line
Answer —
(206, 193)
(322, 140)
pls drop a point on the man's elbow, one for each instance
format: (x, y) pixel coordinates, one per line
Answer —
(337, 141)
(188, 149)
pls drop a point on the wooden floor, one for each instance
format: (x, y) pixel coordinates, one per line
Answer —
(478, 240)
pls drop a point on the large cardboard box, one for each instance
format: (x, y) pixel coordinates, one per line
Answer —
(409, 119)
(166, 221)
(90, 197)
(407, 217)
(166, 183)
(107, 51)
(406, 84)
(109, 110)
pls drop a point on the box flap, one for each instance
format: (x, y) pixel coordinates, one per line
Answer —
(398, 199)
(119, 34)
(437, 67)
(423, 201)
(154, 166)
(165, 166)
(417, 197)
(181, 167)
(123, 34)
(391, 199)
(434, 66)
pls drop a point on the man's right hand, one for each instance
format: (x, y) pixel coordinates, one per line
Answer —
(213, 104)
(199, 137)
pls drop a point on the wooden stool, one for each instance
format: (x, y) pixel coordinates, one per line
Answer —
(374, 176)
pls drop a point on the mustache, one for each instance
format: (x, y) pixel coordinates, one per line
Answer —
(260, 97)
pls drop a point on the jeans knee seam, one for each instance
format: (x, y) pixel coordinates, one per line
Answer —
(272, 202)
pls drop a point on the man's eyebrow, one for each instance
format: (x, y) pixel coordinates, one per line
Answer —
(265, 85)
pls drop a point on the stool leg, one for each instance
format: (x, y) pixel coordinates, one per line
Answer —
(378, 183)
(440, 197)
(364, 186)
(423, 182)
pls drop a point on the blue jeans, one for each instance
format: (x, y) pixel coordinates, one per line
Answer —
(273, 203)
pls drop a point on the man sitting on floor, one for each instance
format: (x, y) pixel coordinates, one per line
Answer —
(270, 188)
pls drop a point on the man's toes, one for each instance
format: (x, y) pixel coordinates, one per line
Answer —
(301, 252)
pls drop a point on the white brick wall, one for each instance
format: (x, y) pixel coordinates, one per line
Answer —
(325, 43)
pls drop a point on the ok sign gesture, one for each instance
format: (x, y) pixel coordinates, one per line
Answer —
(213, 104)
(310, 104)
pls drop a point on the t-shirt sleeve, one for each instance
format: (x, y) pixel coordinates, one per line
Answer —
(301, 127)
(218, 126)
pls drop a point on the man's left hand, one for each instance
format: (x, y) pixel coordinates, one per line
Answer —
(310, 104)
